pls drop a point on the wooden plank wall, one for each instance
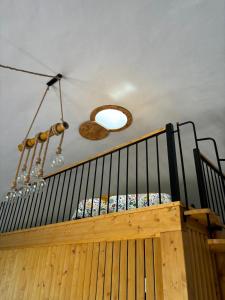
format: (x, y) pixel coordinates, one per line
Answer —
(102, 270)
(148, 253)
(201, 268)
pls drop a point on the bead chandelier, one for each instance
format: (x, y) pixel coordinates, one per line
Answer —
(29, 175)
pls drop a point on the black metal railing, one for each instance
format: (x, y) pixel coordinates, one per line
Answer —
(210, 178)
(144, 166)
(211, 182)
(132, 168)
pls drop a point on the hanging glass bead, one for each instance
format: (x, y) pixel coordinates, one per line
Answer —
(7, 196)
(20, 192)
(60, 160)
(13, 195)
(26, 190)
(21, 177)
(33, 187)
(57, 160)
(34, 172)
(41, 183)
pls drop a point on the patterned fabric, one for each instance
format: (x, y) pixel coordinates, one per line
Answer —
(131, 203)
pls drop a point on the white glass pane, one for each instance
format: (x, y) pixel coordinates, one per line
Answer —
(111, 118)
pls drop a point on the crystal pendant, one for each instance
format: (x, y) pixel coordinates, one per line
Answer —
(13, 195)
(33, 187)
(21, 178)
(7, 197)
(41, 183)
(34, 172)
(20, 192)
(57, 161)
(26, 190)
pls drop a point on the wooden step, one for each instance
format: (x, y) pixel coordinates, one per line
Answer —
(216, 245)
(201, 214)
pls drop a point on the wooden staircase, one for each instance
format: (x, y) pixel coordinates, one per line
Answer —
(216, 242)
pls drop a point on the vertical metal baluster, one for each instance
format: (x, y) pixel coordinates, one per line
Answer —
(210, 187)
(206, 185)
(25, 199)
(5, 205)
(29, 210)
(100, 198)
(81, 179)
(34, 200)
(25, 209)
(85, 198)
(15, 214)
(40, 202)
(56, 192)
(201, 181)
(93, 192)
(127, 174)
(16, 224)
(71, 203)
(37, 199)
(219, 195)
(11, 215)
(147, 172)
(221, 186)
(158, 169)
(221, 192)
(60, 200)
(182, 167)
(3, 213)
(215, 197)
(136, 160)
(5, 220)
(50, 198)
(1, 208)
(45, 199)
(118, 181)
(68, 186)
(109, 184)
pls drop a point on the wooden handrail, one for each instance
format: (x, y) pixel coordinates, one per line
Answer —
(114, 149)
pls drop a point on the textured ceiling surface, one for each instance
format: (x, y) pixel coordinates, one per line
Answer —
(162, 60)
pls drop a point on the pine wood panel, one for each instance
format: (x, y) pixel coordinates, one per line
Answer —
(140, 273)
(115, 271)
(123, 271)
(149, 269)
(108, 270)
(171, 265)
(105, 270)
(132, 224)
(131, 270)
(101, 271)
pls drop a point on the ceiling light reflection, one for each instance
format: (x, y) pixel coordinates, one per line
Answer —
(123, 91)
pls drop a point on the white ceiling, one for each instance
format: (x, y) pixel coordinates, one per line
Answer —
(168, 55)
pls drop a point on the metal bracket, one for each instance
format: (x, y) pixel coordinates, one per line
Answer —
(54, 79)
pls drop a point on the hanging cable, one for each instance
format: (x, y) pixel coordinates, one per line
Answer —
(26, 71)
(60, 99)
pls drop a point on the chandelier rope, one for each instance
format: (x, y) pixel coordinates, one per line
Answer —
(26, 136)
(30, 178)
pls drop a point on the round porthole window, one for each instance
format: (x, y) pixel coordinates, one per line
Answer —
(112, 117)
